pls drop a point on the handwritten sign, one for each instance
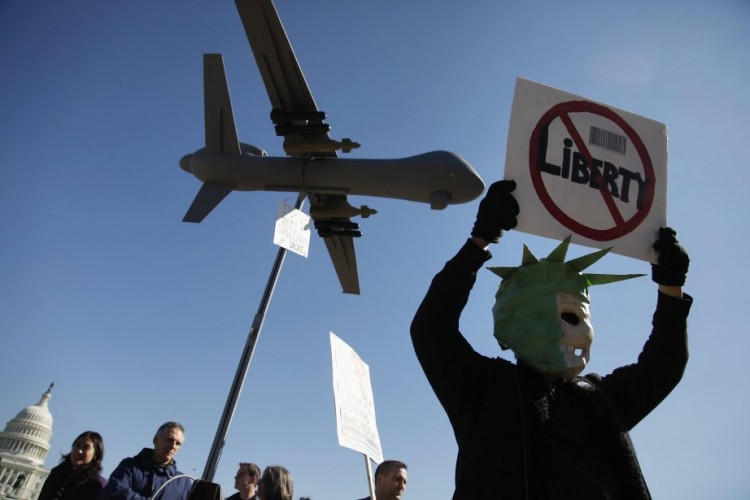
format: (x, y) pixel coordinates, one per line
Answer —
(588, 170)
(355, 407)
(292, 230)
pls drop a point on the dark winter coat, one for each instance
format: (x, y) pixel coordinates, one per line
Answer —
(518, 436)
(63, 484)
(139, 477)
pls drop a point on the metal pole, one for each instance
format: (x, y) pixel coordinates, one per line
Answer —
(244, 365)
(368, 467)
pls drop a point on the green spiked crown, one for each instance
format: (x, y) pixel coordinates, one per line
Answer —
(525, 310)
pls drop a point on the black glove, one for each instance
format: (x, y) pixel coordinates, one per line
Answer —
(497, 212)
(673, 259)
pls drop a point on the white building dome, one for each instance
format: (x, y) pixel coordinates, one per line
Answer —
(24, 444)
(27, 436)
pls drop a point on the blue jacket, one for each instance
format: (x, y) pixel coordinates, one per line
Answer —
(138, 478)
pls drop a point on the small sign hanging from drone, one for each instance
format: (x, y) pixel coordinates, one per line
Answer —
(292, 230)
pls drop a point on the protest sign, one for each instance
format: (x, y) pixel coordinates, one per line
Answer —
(355, 407)
(292, 230)
(588, 170)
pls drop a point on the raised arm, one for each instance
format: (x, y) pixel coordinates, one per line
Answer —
(638, 388)
(446, 357)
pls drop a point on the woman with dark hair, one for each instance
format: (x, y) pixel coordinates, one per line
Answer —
(276, 484)
(77, 477)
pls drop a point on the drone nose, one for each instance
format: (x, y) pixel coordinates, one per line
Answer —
(185, 163)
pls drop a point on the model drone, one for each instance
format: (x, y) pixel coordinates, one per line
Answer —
(312, 164)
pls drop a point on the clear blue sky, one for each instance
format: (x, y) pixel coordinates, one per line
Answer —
(139, 318)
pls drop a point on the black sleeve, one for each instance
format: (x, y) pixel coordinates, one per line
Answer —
(446, 357)
(639, 388)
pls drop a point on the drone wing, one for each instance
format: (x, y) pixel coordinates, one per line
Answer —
(297, 118)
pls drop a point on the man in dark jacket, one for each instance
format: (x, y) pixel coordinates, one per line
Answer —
(153, 472)
(390, 480)
(534, 429)
(246, 482)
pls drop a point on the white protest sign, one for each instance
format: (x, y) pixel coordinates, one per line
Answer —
(588, 170)
(355, 407)
(292, 230)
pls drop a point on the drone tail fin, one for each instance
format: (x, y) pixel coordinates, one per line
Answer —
(221, 134)
(208, 197)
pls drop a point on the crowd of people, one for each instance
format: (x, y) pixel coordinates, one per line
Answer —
(153, 474)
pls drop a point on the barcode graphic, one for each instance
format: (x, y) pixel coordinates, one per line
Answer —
(607, 140)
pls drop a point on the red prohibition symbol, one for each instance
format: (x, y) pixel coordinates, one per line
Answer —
(538, 148)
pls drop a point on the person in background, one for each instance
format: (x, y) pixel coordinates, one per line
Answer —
(246, 481)
(153, 472)
(77, 477)
(276, 484)
(390, 480)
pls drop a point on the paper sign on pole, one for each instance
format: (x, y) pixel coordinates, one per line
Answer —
(355, 407)
(292, 230)
(588, 170)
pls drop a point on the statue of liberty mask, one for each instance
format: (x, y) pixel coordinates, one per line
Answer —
(541, 310)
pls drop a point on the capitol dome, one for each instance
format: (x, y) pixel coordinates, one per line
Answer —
(28, 435)
(24, 444)
(38, 413)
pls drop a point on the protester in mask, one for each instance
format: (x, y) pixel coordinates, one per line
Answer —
(535, 428)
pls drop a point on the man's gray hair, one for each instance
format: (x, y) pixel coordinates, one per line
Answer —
(166, 426)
